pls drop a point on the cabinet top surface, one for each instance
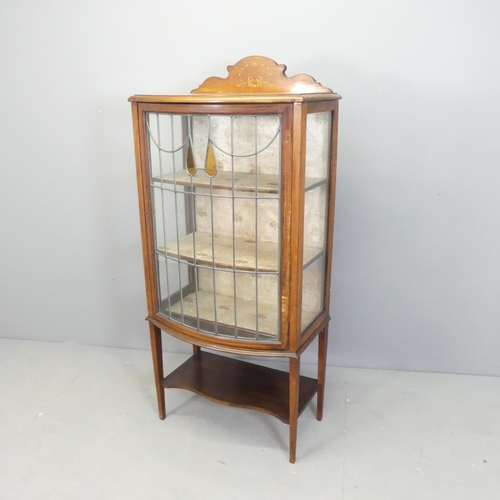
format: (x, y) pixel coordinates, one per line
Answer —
(223, 98)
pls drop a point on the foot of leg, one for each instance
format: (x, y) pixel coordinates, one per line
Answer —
(294, 405)
(322, 348)
(157, 352)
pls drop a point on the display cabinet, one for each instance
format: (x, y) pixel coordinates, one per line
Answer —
(236, 189)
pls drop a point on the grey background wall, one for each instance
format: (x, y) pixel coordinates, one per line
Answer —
(416, 267)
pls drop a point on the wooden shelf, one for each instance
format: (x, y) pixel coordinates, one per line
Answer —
(237, 383)
(246, 311)
(243, 181)
(222, 254)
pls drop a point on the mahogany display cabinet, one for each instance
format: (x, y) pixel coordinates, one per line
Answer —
(237, 191)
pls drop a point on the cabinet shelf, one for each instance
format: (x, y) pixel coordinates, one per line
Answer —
(243, 181)
(219, 251)
(246, 314)
(238, 383)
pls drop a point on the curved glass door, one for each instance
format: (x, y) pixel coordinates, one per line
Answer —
(216, 191)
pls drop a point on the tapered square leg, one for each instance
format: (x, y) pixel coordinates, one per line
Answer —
(322, 348)
(294, 405)
(156, 349)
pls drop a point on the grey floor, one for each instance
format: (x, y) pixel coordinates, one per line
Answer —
(79, 422)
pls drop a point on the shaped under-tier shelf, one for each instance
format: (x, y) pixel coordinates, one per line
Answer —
(243, 181)
(241, 384)
(202, 304)
(246, 255)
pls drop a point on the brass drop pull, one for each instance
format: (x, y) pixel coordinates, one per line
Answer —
(210, 166)
(190, 160)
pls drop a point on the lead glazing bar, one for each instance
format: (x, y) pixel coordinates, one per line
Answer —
(172, 137)
(216, 195)
(216, 329)
(193, 228)
(160, 163)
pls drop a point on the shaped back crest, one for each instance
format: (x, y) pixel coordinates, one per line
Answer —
(261, 75)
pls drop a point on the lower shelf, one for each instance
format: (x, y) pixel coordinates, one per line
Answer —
(237, 383)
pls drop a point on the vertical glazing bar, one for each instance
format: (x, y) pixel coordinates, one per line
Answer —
(160, 162)
(234, 230)
(256, 131)
(176, 218)
(216, 326)
(195, 266)
(193, 218)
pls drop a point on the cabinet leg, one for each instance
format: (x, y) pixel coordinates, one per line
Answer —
(196, 349)
(294, 405)
(156, 349)
(322, 348)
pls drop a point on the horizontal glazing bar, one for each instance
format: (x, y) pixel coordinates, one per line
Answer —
(208, 195)
(243, 181)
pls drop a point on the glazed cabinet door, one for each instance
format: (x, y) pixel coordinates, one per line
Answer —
(216, 195)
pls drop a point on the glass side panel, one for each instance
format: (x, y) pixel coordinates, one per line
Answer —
(315, 214)
(216, 191)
